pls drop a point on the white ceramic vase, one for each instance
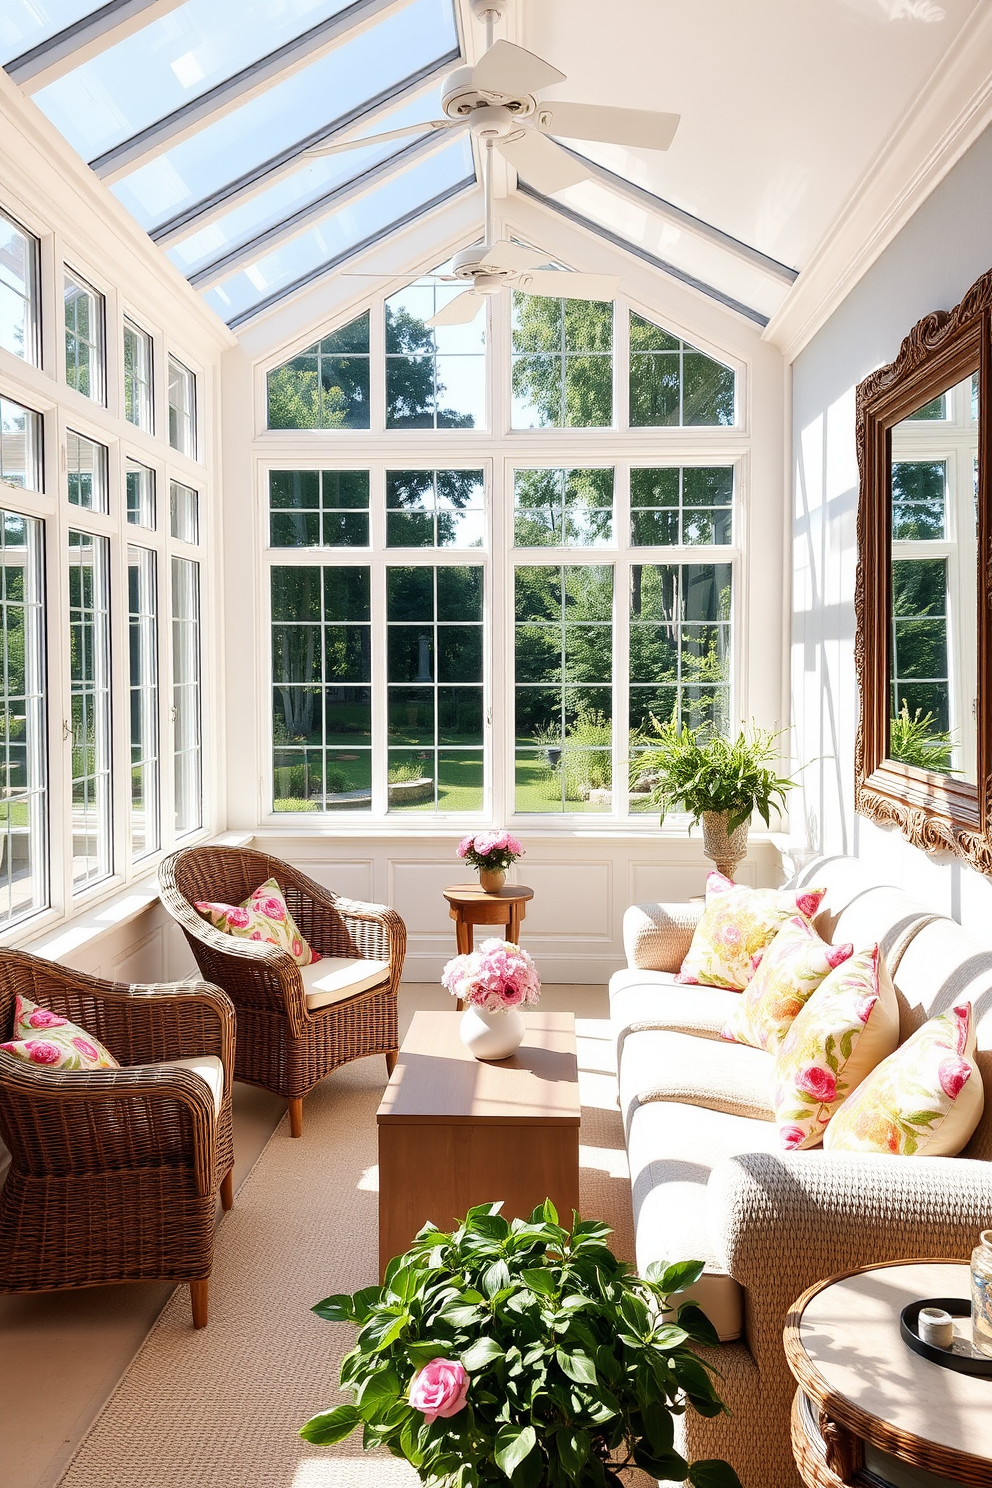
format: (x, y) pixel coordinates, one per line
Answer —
(491, 1035)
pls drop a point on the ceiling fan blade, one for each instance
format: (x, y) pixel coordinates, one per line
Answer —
(557, 285)
(540, 162)
(459, 311)
(379, 139)
(639, 128)
(514, 257)
(511, 70)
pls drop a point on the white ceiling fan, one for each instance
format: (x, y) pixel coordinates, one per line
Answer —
(496, 100)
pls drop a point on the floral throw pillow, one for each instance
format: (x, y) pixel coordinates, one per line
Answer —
(848, 1026)
(42, 1037)
(265, 916)
(927, 1097)
(788, 974)
(736, 926)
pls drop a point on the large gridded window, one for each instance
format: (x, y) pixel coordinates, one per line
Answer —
(319, 508)
(680, 634)
(562, 508)
(89, 672)
(85, 365)
(435, 676)
(321, 693)
(143, 695)
(435, 378)
(326, 386)
(186, 698)
(563, 683)
(20, 318)
(673, 383)
(682, 507)
(23, 787)
(20, 445)
(435, 509)
(86, 472)
(919, 670)
(562, 367)
(182, 408)
(139, 484)
(138, 402)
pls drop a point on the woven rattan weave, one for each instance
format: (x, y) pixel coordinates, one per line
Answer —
(114, 1174)
(282, 1045)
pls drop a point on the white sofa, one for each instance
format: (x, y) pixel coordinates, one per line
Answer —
(710, 1181)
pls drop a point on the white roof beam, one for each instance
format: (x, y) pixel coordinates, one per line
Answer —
(299, 222)
(85, 38)
(361, 119)
(243, 86)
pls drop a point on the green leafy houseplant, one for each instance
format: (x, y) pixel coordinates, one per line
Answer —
(700, 771)
(918, 741)
(523, 1352)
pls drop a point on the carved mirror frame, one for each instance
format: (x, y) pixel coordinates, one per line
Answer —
(935, 812)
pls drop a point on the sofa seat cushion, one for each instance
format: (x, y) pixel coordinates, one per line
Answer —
(208, 1067)
(659, 1065)
(672, 1150)
(653, 999)
(334, 978)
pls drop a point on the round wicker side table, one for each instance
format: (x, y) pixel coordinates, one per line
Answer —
(870, 1411)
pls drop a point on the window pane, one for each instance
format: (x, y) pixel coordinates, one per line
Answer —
(187, 743)
(89, 674)
(325, 387)
(144, 703)
(184, 513)
(140, 486)
(24, 794)
(86, 467)
(685, 506)
(918, 499)
(138, 401)
(182, 409)
(19, 311)
(20, 446)
(435, 379)
(311, 508)
(673, 383)
(84, 361)
(918, 663)
(562, 373)
(435, 508)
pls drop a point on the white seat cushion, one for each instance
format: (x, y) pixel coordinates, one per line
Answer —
(659, 1065)
(653, 999)
(208, 1067)
(672, 1150)
(334, 978)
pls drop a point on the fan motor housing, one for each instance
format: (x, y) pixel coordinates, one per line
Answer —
(470, 264)
(460, 98)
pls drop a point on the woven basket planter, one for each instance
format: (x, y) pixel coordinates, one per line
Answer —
(725, 848)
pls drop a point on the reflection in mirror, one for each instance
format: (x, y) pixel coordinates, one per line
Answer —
(933, 642)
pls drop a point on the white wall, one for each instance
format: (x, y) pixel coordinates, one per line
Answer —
(943, 249)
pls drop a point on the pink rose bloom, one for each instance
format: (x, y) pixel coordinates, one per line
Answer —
(257, 935)
(88, 1050)
(952, 1074)
(808, 904)
(297, 947)
(239, 918)
(272, 909)
(43, 1053)
(463, 847)
(42, 1018)
(837, 955)
(817, 1081)
(963, 1015)
(792, 1137)
(439, 1389)
(731, 935)
(864, 1005)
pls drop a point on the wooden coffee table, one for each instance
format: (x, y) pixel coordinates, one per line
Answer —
(456, 1131)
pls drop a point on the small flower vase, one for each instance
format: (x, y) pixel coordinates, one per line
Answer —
(491, 1035)
(491, 880)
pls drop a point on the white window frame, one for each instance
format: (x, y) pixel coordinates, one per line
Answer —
(32, 300)
(180, 375)
(98, 344)
(142, 387)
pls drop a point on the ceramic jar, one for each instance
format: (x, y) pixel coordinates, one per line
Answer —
(491, 880)
(491, 1035)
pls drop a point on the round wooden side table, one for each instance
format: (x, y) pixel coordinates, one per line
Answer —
(870, 1411)
(471, 906)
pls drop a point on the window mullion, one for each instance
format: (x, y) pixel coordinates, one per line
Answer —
(380, 657)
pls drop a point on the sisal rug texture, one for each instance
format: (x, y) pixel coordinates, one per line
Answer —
(221, 1408)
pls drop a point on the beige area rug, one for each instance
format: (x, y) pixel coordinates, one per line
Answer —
(221, 1408)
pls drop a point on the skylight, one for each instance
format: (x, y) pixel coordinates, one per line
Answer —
(26, 23)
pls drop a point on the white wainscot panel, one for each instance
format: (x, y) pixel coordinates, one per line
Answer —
(143, 960)
(416, 893)
(675, 883)
(570, 899)
(353, 880)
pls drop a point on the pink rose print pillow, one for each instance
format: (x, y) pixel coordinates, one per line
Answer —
(926, 1098)
(263, 916)
(848, 1026)
(788, 974)
(42, 1037)
(737, 925)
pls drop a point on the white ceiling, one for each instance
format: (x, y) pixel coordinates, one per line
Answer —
(785, 103)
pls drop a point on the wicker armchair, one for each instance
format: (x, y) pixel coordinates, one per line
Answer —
(114, 1174)
(284, 1045)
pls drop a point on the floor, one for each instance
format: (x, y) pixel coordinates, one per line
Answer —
(69, 1349)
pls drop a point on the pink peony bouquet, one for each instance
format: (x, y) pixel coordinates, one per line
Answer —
(497, 976)
(490, 849)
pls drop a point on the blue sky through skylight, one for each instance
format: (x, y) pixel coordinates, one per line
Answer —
(26, 23)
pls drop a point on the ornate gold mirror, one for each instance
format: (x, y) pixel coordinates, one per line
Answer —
(924, 585)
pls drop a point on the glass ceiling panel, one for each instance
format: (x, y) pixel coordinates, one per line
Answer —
(295, 192)
(159, 68)
(288, 112)
(340, 230)
(26, 23)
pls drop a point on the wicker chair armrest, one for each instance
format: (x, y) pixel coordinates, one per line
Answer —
(65, 1099)
(371, 925)
(656, 937)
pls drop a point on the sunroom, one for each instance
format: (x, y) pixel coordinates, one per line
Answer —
(440, 435)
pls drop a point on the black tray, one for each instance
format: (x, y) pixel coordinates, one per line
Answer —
(976, 1364)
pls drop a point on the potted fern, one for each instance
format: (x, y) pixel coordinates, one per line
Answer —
(523, 1353)
(720, 781)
